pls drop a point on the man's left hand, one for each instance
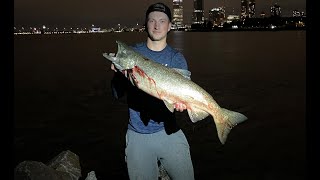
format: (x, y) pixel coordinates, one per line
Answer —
(180, 107)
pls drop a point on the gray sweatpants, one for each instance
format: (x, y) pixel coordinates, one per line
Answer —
(144, 150)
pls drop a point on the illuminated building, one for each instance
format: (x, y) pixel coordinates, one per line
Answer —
(217, 16)
(275, 10)
(198, 13)
(244, 9)
(252, 8)
(248, 8)
(231, 18)
(296, 13)
(177, 13)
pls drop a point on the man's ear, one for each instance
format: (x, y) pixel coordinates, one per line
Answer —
(169, 27)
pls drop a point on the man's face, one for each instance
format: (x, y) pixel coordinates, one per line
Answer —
(158, 25)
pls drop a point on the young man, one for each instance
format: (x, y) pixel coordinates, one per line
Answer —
(153, 135)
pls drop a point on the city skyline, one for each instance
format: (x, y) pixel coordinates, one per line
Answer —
(60, 13)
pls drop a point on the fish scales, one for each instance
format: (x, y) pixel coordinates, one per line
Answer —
(174, 86)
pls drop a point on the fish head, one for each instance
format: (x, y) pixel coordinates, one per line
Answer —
(125, 58)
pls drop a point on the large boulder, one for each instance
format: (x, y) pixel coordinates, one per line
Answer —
(65, 166)
(67, 161)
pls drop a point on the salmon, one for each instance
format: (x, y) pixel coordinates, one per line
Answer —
(172, 86)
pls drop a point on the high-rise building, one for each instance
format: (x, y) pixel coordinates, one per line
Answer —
(177, 14)
(252, 8)
(198, 13)
(275, 10)
(217, 16)
(296, 13)
(248, 8)
(244, 9)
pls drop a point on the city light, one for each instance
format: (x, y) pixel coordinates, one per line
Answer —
(217, 20)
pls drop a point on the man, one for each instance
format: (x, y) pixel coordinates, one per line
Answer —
(153, 135)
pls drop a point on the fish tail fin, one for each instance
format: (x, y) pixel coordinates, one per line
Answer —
(228, 119)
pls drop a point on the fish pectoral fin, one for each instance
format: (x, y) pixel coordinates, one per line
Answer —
(197, 114)
(169, 105)
(185, 73)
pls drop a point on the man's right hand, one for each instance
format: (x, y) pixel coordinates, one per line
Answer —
(115, 70)
(113, 67)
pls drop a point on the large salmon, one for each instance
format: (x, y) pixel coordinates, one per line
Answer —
(174, 86)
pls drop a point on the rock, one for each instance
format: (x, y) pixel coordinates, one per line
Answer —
(64, 166)
(68, 162)
(33, 170)
(91, 176)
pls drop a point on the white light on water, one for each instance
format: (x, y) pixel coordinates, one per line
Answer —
(272, 26)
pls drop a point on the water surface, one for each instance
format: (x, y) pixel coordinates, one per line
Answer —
(63, 101)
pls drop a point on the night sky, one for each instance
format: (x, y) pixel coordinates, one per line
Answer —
(109, 13)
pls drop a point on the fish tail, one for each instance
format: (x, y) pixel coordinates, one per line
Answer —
(227, 120)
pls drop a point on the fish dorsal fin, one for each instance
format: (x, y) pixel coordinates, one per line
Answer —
(197, 114)
(185, 73)
(169, 105)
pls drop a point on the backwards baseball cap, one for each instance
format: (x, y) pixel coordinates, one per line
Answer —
(159, 7)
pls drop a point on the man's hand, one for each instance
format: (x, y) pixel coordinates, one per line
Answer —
(113, 67)
(180, 107)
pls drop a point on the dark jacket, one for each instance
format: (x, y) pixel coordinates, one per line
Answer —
(149, 107)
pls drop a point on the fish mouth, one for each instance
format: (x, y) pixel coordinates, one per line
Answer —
(110, 56)
(114, 56)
